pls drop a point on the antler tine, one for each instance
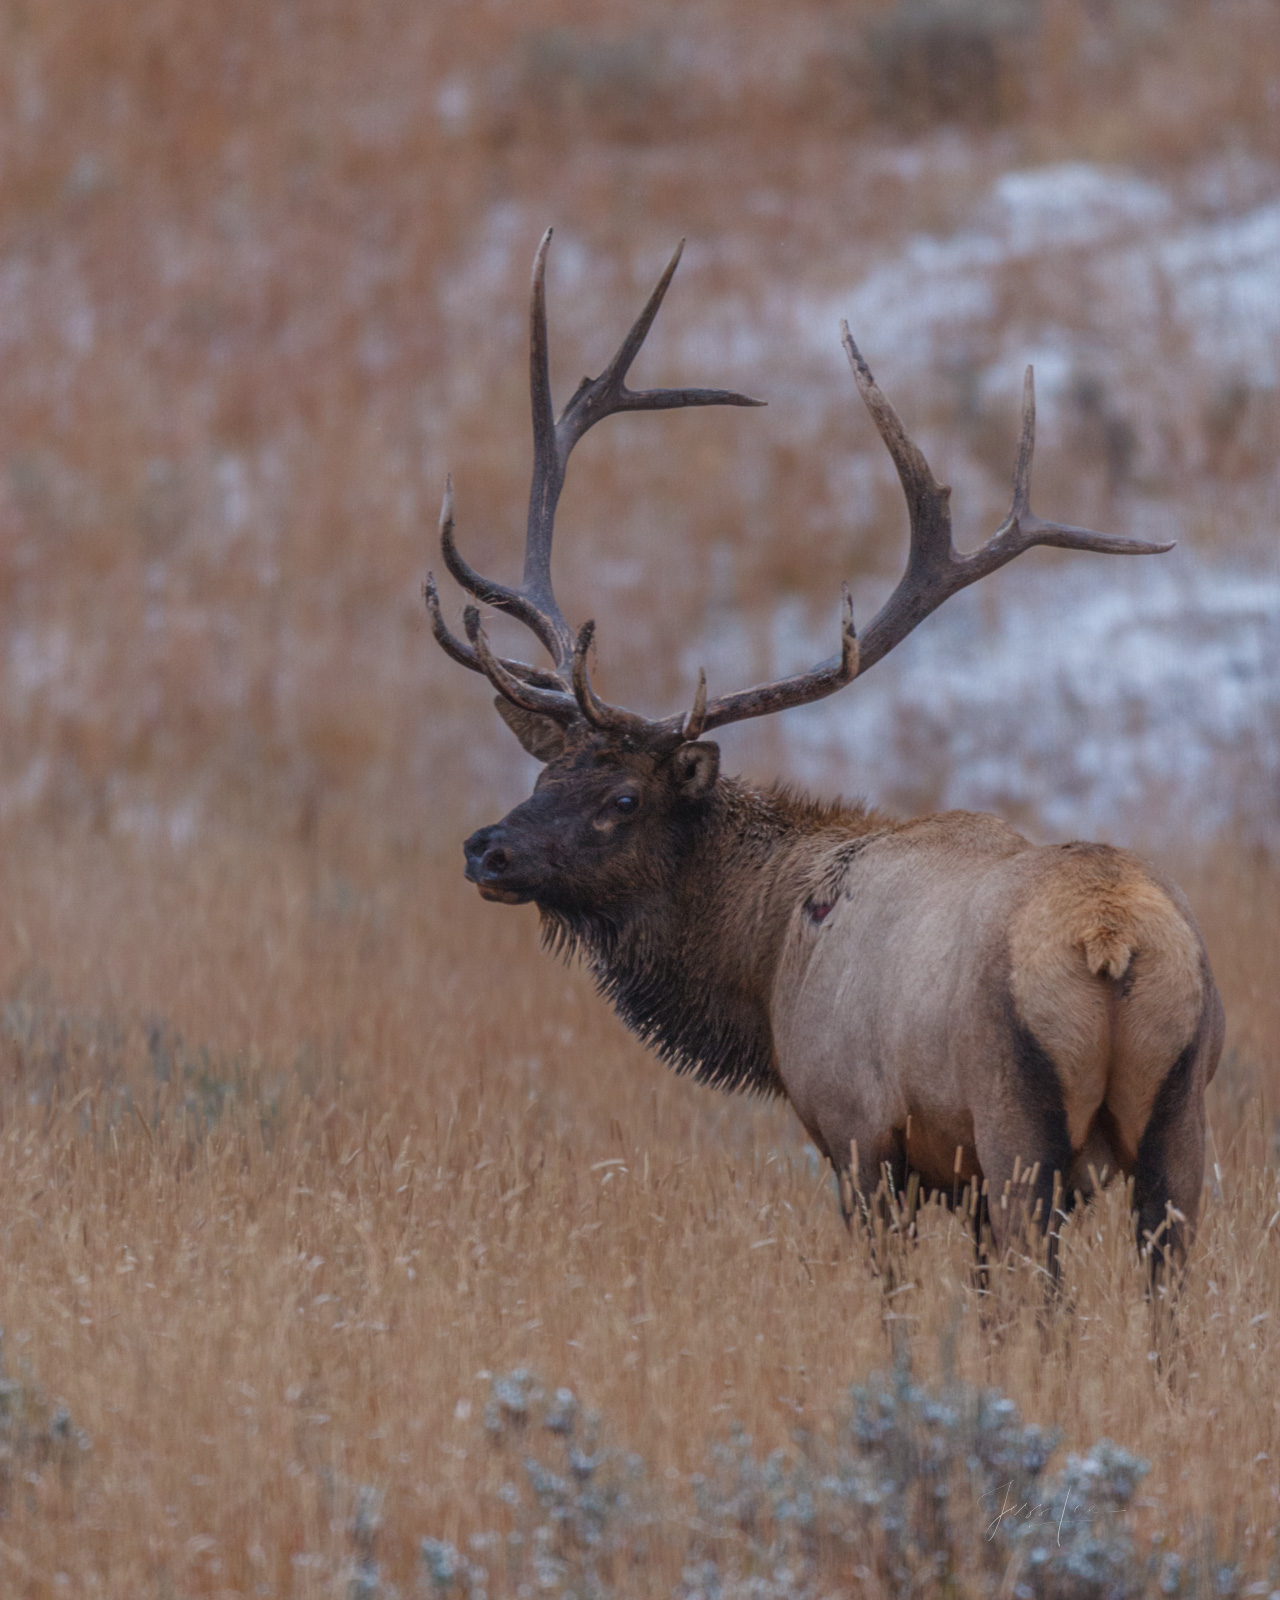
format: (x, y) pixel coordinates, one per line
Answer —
(483, 590)
(498, 595)
(548, 469)
(1023, 528)
(935, 569)
(703, 717)
(928, 502)
(660, 734)
(1026, 448)
(695, 723)
(448, 642)
(553, 703)
(596, 398)
(466, 656)
(802, 690)
(599, 713)
(629, 349)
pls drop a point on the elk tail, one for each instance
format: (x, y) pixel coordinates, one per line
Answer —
(1107, 952)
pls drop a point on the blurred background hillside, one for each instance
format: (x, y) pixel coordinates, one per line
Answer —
(263, 270)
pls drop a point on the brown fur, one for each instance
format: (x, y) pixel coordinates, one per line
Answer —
(1015, 1008)
(1043, 1011)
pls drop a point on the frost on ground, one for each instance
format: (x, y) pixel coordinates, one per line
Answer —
(1113, 281)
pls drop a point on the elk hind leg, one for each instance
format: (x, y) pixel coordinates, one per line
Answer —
(1024, 1149)
(1170, 1040)
(1169, 1170)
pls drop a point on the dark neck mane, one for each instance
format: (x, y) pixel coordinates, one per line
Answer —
(691, 972)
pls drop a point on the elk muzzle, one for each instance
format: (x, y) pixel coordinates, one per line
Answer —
(490, 866)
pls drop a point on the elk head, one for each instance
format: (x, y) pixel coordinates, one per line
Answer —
(620, 794)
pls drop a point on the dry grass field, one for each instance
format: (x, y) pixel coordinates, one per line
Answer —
(294, 1158)
(302, 1147)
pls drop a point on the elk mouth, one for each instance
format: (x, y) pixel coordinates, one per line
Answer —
(504, 896)
(490, 868)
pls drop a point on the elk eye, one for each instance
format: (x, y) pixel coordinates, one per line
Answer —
(626, 804)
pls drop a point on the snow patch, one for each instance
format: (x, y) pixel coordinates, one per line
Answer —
(1132, 706)
(1073, 203)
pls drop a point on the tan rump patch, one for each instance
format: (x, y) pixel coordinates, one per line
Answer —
(1095, 918)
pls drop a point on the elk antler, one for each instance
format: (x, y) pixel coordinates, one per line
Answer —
(534, 602)
(935, 569)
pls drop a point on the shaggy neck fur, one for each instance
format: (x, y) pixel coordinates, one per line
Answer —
(691, 969)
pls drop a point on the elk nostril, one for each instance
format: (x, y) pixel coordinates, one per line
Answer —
(495, 860)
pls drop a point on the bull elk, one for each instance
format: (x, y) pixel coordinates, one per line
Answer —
(936, 997)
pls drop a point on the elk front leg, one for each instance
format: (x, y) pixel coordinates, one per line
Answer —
(871, 1166)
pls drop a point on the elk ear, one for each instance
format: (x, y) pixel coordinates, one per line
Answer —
(696, 768)
(542, 737)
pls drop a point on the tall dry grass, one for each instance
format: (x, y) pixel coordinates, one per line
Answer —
(294, 1153)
